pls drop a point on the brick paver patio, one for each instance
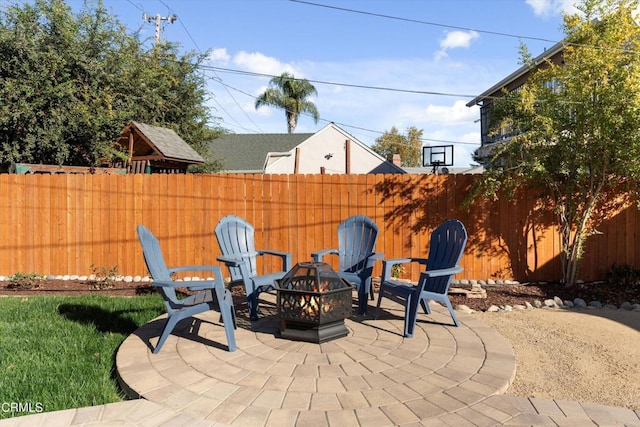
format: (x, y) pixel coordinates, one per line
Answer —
(373, 377)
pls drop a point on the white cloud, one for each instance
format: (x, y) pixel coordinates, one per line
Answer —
(454, 40)
(219, 56)
(438, 115)
(453, 115)
(260, 63)
(547, 8)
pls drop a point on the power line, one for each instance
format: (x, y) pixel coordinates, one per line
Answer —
(455, 27)
(228, 87)
(416, 21)
(377, 132)
(383, 88)
(217, 79)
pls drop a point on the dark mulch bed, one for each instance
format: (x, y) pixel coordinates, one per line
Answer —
(75, 287)
(498, 295)
(501, 295)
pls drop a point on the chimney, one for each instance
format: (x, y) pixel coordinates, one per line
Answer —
(396, 160)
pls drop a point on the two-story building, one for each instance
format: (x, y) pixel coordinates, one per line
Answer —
(512, 82)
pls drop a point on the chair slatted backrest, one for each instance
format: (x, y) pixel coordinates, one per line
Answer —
(445, 251)
(156, 265)
(357, 237)
(236, 238)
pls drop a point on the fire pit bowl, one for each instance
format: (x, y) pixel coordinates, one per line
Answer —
(313, 302)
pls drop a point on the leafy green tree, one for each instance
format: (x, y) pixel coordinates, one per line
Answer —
(408, 146)
(578, 126)
(71, 82)
(291, 95)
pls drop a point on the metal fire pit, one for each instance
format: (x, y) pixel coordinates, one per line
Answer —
(313, 302)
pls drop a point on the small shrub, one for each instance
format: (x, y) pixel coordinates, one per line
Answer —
(398, 271)
(25, 281)
(623, 275)
(105, 277)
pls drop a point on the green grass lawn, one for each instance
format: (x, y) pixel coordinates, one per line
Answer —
(58, 352)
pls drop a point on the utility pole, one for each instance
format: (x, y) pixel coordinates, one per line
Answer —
(158, 19)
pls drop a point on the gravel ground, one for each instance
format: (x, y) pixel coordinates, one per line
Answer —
(589, 355)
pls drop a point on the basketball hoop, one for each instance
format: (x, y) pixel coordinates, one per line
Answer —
(437, 156)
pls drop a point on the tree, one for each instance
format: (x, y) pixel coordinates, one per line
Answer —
(578, 126)
(408, 146)
(291, 95)
(71, 82)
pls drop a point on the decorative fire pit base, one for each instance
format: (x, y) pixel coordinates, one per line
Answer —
(313, 302)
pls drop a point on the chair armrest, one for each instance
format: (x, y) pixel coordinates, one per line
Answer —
(376, 256)
(212, 268)
(195, 285)
(317, 255)
(286, 257)
(442, 272)
(387, 265)
(231, 262)
(371, 259)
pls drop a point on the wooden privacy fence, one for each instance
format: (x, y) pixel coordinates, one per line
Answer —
(65, 224)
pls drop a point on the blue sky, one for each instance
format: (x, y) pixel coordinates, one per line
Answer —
(436, 46)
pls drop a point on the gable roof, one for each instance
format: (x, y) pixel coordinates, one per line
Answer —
(166, 142)
(247, 152)
(548, 53)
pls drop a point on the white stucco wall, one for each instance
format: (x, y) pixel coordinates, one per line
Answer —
(327, 148)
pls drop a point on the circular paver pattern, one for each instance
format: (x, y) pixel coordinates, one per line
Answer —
(373, 376)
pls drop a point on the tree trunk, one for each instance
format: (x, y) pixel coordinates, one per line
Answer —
(574, 237)
(291, 122)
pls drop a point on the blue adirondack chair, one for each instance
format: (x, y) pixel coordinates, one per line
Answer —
(445, 250)
(236, 239)
(357, 237)
(202, 300)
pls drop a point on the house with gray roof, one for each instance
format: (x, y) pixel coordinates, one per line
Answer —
(331, 150)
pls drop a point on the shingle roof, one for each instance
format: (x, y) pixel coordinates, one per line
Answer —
(169, 143)
(247, 152)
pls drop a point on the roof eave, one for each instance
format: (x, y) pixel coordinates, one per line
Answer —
(552, 51)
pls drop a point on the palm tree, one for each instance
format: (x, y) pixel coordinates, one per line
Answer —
(291, 95)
